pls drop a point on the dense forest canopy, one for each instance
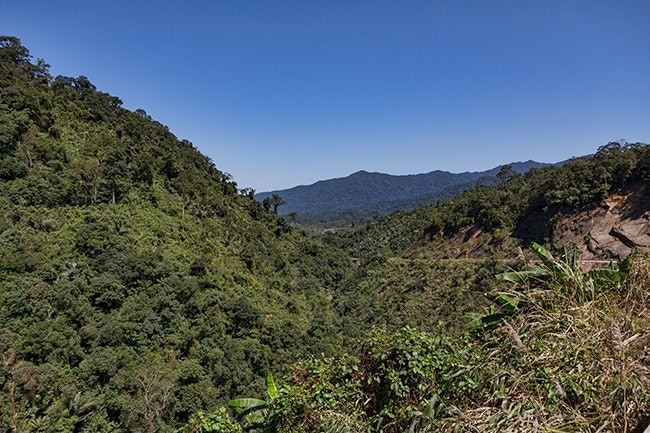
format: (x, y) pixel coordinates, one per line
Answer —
(130, 261)
(360, 196)
(141, 290)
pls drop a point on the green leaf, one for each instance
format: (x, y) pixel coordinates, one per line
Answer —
(245, 403)
(270, 386)
(544, 255)
(506, 301)
(606, 276)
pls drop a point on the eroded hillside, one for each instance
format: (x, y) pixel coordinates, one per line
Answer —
(614, 228)
(598, 203)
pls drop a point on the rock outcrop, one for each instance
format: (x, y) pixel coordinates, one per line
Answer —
(619, 225)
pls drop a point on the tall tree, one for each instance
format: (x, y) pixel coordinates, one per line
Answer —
(273, 202)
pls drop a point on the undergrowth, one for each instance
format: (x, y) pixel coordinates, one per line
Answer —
(561, 350)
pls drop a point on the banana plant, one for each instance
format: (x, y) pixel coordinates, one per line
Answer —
(550, 272)
(253, 412)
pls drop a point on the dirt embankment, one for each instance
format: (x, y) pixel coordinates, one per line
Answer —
(614, 228)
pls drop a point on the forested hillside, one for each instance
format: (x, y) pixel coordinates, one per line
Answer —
(519, 209)
(357, 198)
(545, 345)
(559, 350)
(138, 284)
(141, 290)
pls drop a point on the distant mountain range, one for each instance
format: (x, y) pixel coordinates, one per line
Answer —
(363, 195)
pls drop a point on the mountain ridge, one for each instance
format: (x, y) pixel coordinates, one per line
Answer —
(141, 288)
(367, 194)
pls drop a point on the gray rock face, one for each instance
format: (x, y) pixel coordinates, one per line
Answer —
(618, 226)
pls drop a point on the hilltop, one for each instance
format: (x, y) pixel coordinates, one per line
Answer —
(363, 195)
(577, 203)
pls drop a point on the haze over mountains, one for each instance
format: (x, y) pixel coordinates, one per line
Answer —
(363, 195)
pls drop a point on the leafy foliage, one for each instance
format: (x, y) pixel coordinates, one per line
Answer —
(254, 412)
(559, 363)
(138, 285)
(218, 421)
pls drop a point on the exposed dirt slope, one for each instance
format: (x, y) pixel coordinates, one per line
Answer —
(618, 225)
(613, 228)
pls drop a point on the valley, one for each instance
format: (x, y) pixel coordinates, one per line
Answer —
(141, 290)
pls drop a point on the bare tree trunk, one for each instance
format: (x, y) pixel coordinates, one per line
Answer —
(157, 390)
(29, 157)
(14, 411)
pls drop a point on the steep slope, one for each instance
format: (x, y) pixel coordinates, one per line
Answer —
(137, 284)
(613, 228)
(552, 348)
(363, 195)
(584, 204)
(557, 349)
(570, 355)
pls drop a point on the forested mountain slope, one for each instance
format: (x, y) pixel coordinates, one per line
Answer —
(363, 195)
(559, 350)
(550, 347)
(550, 204)
(138, 285)
(141, 289)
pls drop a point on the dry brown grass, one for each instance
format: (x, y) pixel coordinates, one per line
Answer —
(567, 364)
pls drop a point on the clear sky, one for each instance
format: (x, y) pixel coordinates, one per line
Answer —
(280, 93)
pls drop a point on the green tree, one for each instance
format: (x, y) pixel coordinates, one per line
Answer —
(506, 172)
(273, 203)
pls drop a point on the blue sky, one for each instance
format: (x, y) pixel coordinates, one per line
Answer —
(280, 93)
